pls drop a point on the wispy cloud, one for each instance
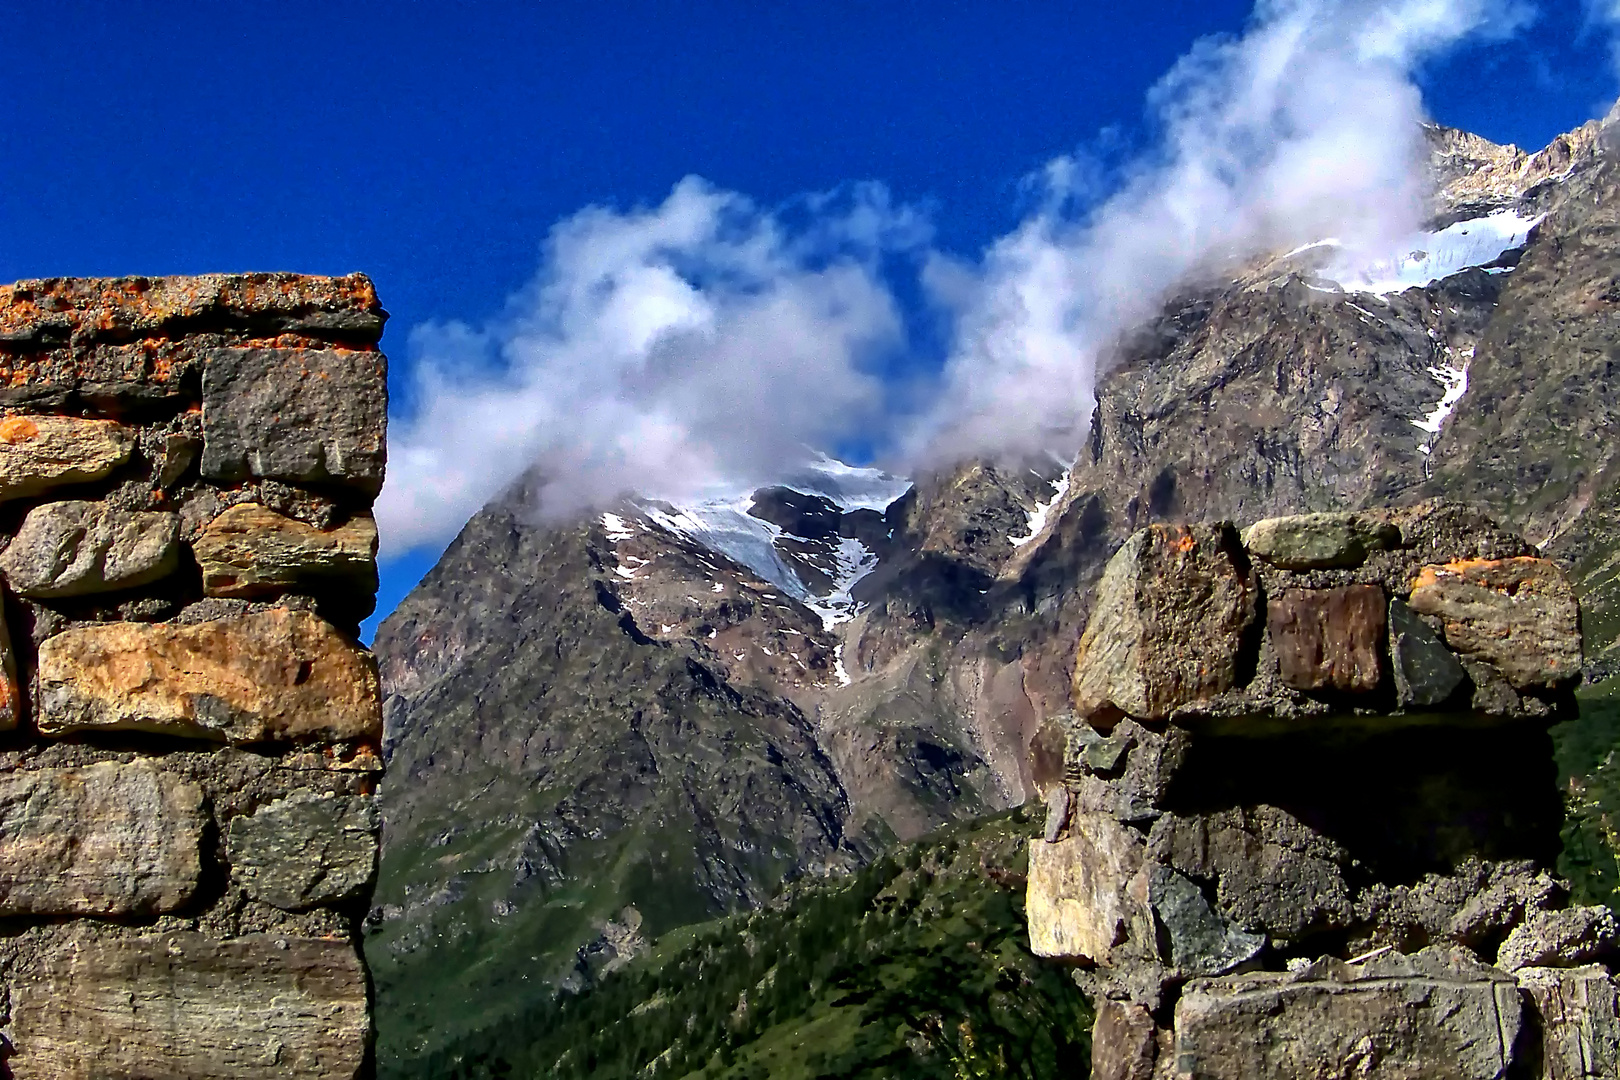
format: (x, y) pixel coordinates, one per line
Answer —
(707, 339)
(1303, 127)
(660, 350)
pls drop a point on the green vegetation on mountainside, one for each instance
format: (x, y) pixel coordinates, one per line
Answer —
(1589, 771)
(917, 965)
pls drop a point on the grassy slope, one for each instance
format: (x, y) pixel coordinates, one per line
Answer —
(1590, 773)
(918, 965)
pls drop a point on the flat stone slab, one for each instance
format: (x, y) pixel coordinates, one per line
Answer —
(306, 849)
(1319, 541)
(1328, 639)
(275, 675)
(1080, 901)
(108, 839)
(73, 548)
(1168, 624)
(1580, 1026)
(46, 311)
(1436, 1015)
(251, 551)
(1518, 615)
(42, 453)
(184, 1005)
(311, 416)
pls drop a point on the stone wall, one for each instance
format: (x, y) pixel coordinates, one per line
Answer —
(1303, 818)
(188, 727)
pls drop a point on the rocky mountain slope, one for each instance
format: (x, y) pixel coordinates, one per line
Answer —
(678, 708)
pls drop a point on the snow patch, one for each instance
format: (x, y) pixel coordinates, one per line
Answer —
(617, 528)
(1038, 516)
(1434, 256)
(1453, 380)
(838, 667)
(848, 487)
(722, 523)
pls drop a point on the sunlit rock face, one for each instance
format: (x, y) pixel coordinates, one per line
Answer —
(1335, 865)
(151, 711)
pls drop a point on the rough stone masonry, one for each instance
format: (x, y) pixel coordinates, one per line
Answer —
(189, 728)
(1302, 819)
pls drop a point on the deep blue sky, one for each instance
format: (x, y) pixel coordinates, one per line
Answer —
(432, 144)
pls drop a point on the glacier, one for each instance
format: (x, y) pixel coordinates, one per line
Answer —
(1429, 257)
(720, 521)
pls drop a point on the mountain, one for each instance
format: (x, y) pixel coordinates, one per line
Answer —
(602, 730)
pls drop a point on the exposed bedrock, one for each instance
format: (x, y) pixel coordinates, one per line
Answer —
(1306, 807)
(189, 729)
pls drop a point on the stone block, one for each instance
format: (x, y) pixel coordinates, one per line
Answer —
(308, 416)
(1058, 804)
(1563, 938)
(183, 1005)
(108, 839)
(120, 376)
(1124, 1042)
(1137, 789)
(275, 675)
(1319, 541)
(1328, 639)
(179, 455)
(305, 849)
(72, 548)
(1201, 942)
(1426, 672)
(50, 311)
(251, 551)
(1083, 899)
(1168, 625)
(1270, 871)
(43, 453)
(1580, 1028)
(1518, 615)
(1437, 1015)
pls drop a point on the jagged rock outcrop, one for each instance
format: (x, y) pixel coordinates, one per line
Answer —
(188, 826)
(1321, 873)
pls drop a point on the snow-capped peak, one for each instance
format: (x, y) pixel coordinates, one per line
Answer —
(721, 522)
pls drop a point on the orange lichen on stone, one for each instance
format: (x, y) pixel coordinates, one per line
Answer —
(99, 307)
(16, 429)
(1503, 575)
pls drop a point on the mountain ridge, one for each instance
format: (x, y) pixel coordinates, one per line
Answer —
(571, 706)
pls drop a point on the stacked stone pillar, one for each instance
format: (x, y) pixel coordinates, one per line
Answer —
(1303, 820)
(189, 728)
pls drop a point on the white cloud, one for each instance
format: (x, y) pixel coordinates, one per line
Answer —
(661, 351)
(706, 340)
(1303, 127)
